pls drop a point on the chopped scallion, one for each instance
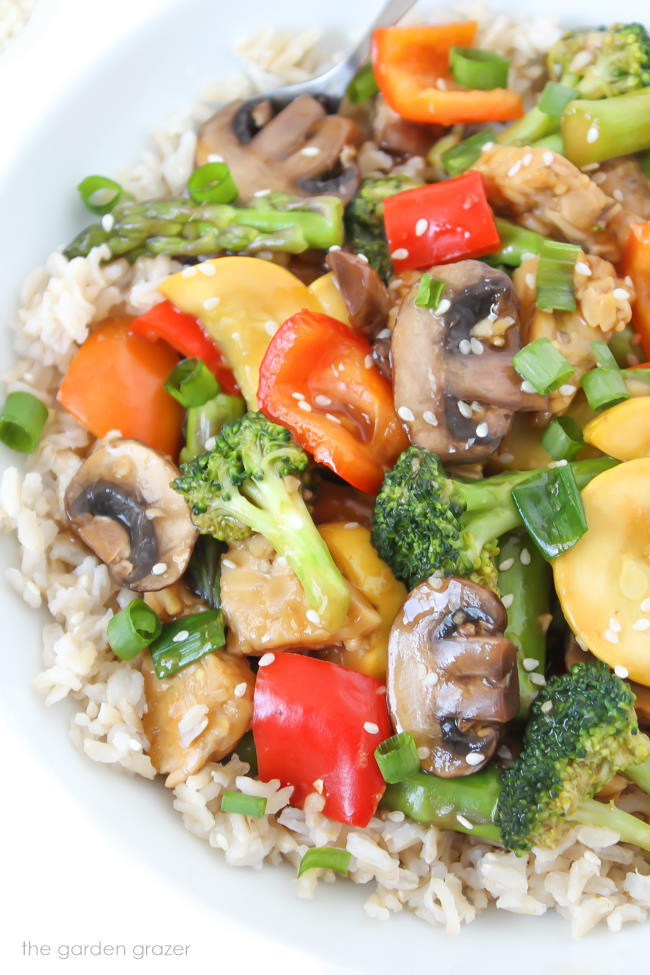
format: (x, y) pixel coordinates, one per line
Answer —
(429, 292)
(550, 506)
(132, 629)
(363, 86)
(542, 365)
(603, 355)
(186, 640)
(191, 383)
(100, 194)
(459, 158)
(517, 243)
(474, 68)
(21, 422)
(325, 858)
(604, 387)
(555, 286)
(239, 802)
(397, 757)
(555, 98)
(212, 183)
(562, 439)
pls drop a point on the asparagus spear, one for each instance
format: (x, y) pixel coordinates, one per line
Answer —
(182, 228)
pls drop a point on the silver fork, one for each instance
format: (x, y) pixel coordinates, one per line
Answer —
(335, 80)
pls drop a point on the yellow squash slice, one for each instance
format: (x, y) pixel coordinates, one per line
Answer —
(623, 431)
(326, 291)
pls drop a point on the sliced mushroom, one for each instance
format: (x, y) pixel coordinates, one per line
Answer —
(574, 654)
(296, 148)
(398, 136)
(364, 293)
(121, 504)
(452, 675)
(454, 383)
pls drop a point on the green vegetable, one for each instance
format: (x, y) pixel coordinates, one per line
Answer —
(397, 757)
(100, 194)
(186, 640)
(212, 183)
(604, 388)
(246, 752)
(524, 576)
(594, 131)
(203, 574)
(474, 68)
(240, 487)
(21, 422)
(182, 228)
(555, 98)
(363, 86)
(204, 422)
(132, 629)
(644, 159)
(603, 354)
(364, 220)
(463, 156)
(582, 730)
(238, 802)
(554, 282)
(429, 292)
(554, 142)
(426, 521)
(325, 858)
(542, 365)
(551, 509)
(191, 383)
(562, 439)
(517, 244)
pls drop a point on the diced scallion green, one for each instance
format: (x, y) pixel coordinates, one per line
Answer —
(562, 439)
(186, 640)
(542, 366)
(238, 802)
(191, 383)
(472, 67)
(21, 421)
(397, 757)
(555, 285)
(325, 858)
(429, 292)
(551, 508)
(132, 629)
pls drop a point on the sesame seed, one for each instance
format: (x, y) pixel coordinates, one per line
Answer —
(432, 678)
(530, 280)
(333, 248)
(159, 568)
(618, 195)
(524, 557)
(396, 817)
(645, 605)
(215, 157)
(297, 395)
(321, 400)
(475, 758)
(547, 706)
(621, 294)
(538, 680)
(333, 418)
(582, 268)
(405, 414)
(267, 659)
(641, 625)
(508, 600)
(211, 303)
(304, 405)
(261, 192)
(313, 617)
(228, 564)
(270, 327)
(421, 226)
(505, 753)
(621, 672)
(384, 334)
(400, 254)
(310, 151)
(240, 690)
(430, 418)
(423, 752)
(567, 390)
(464, 822)
(527, 387)
(506, 564)
(477, 345)
(208, 269)
(108, 221)
(189, 272)
(597, 177)
(371, 727)
(464, 409)
(318, 786)
(368, 362)
(514, 169)
(592, 133)
(441, 84)
(180, 636)
(443, 306)
(482, 430)
(529, 663)
(614, 625)
(351, 524)
(527, 160)
(487, 146)
(381, 689)
(548, 158)
(362, 257)
(464, 347)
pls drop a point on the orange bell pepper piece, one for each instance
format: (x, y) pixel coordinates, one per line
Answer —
(637, 264)
(411, 65)
(115, 382)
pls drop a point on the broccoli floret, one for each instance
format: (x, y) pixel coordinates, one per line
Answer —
(426, 521)
(247, 483)
(602, 63)
(364, 219)
(583, 729)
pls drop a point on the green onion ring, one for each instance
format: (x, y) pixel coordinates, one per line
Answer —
(212, 183)
(473, 68)
(132, 629)
(397, 757)
(191, 383)
(540, 364)
(100, 194)
(363, 86)
(21, 422)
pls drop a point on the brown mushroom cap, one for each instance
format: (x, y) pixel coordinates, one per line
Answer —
(298, 148)
(452, 675)
(364, 293)
(574, 654)
(454, 383)
(121, 504)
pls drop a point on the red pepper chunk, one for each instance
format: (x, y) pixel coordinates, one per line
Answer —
(317, 378)
(314, 720)
(185, 334)
(440, 223)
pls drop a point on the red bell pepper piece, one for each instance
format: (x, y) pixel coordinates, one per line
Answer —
(314, 720)
(317, 379)
(636, 263)
(185, 334)
(440, 223)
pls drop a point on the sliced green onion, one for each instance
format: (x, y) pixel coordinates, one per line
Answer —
(132, 629)
(21, 422)
(238, 802)
(552, 141)
(542, 366)
(516, 243)
(212, 183)
(429, 292)
(562, 439)
(397, 757)
(644, 159)
(191, 383)
(551, 509)
(205, 422)
(459, 158)
(363, 86)
(186, 640)
(555, 287)
(603, 354)
(325, 858)
(472, 67)
(604, 387)
(100, 194)
(555, 98)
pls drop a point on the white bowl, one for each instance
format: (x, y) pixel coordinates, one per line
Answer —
(102, 126)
